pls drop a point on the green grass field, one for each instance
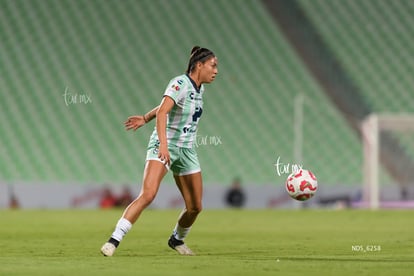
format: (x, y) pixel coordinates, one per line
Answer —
(228, 242)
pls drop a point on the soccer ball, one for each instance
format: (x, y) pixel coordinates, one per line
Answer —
(301, 185)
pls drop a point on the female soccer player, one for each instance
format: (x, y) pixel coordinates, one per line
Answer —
(171, 146)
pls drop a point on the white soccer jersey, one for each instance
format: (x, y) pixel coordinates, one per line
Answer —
(183, 118)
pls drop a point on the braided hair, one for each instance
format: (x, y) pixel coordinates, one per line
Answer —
(198, 54)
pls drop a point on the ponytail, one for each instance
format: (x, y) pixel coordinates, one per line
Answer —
(198, 54)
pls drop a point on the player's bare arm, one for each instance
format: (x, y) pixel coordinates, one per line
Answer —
(137, 121)
(166, 105)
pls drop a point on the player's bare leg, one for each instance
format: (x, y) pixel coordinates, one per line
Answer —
(154, 172)
(191, 188)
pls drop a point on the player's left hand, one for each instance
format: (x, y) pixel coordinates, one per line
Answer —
(164, 154)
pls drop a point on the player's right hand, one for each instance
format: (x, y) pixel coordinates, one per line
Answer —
(134, 122)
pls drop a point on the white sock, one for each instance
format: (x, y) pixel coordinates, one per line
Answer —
(122, 227)
(180, 232)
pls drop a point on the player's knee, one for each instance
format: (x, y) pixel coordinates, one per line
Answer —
(148, 197)
(195, 210)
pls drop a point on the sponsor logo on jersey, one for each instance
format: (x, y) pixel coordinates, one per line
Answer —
(177, 86)
(190, 129)
(197, 113)
(194, 96)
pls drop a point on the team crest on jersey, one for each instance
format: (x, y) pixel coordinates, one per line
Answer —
(156, 147)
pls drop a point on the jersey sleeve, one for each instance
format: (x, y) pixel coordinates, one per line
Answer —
(176, 90)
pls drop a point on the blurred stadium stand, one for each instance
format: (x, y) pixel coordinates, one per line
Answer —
(117, 58)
